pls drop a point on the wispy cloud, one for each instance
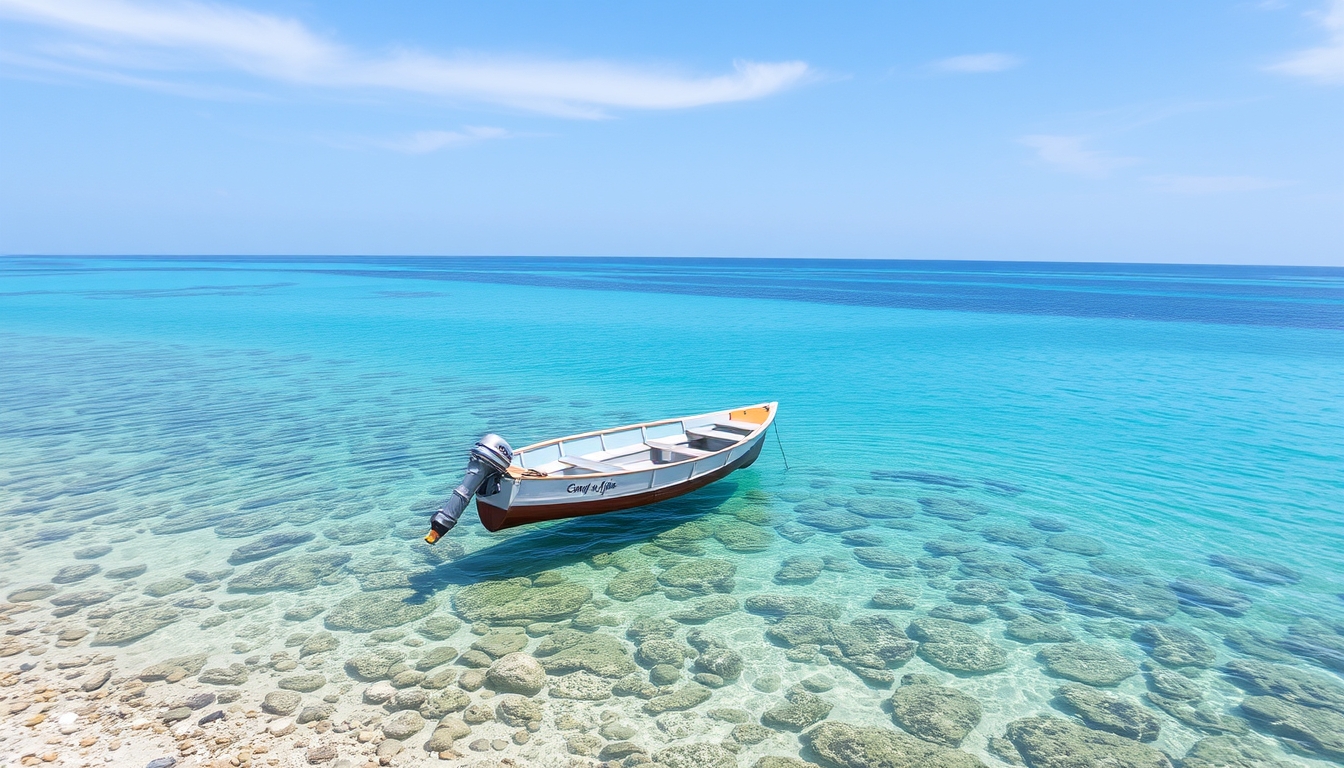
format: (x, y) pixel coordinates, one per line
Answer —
(976, 63)
(1214, 185)
(186, 38)
(1324, 64)
(1068, 154)
(424, 142)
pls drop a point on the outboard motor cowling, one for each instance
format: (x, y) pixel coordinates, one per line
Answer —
(489, 459)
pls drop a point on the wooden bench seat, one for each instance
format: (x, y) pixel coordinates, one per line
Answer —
(713, 433)
(590, 465)
(684, 450)
(746, 425)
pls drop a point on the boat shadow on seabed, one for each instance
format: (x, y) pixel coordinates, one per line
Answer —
(544, 547)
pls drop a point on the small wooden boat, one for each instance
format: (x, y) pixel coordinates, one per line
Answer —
(604, 471)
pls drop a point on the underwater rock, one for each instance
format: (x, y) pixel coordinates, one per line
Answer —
(572, 651)
(234, 674)
(881, 558)
(1198, 716)
(1230, 752)
(165, 587)
(776, 761)
(238, 526)
(581, 686)
(403, 725)
(892, 598)
(1120, 715)
(1087, 663)
(684, 538)
(1174, 646)
(351, 534)
(684, 698)
(1075, 543)
(700, 576)
(295, 573)
(436, 657)
(632, 584)
(934, 712)
(374, 664)
(516, 601)
(863, 539)
(82, 598)
(1119, 567)
(31, 594)
(1297, 685)
(1256, 570)
(833, 520)
(269, 545)
(977, 591)
(791, 605)
(1028, 629)
(946, 547)
(304, 683)
(695, 756)
(956, 647)
(737, 536)
(516, 673)
(318, 642)
(645, 627)
(498, 644)
(964, 613)
(1224, 600)
(126, 572)
(849, 746)
(795, 533)
(134, 623)
(801, 709)
(1307, 729)
(439, 627)
(178, 668)
(662, 650)
(706, 609)
(982, 565)
(73, 573)
(1135, 601)
(1317, 641)
(1048, 742)
(517, 711)
(92, 552)
(281, 702)
(798, 569)
(881, 509)
(1016, 537)
(721, 661)
(1170, 684)
(444, 702)
(368, 611)
(948, 508)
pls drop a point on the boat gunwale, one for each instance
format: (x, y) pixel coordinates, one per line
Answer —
(770, 407)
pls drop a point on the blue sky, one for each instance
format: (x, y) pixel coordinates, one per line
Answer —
(1101, 131)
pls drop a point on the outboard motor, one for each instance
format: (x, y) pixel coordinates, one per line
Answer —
(489, 459)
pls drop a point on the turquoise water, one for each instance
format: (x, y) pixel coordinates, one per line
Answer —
(1148, 420)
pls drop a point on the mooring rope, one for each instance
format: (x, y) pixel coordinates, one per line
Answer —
(781, 444)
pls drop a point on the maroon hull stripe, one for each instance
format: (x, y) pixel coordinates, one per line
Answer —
(494, 518)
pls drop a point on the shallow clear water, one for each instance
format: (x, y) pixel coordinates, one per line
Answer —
(177, 410)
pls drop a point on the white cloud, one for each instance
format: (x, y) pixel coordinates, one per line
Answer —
(1324, 64)
(1212, 185)
(186, 36)
(1068, 154)
(977, 63)
(423, 142)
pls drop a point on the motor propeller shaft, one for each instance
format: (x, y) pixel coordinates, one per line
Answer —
(489, 458)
